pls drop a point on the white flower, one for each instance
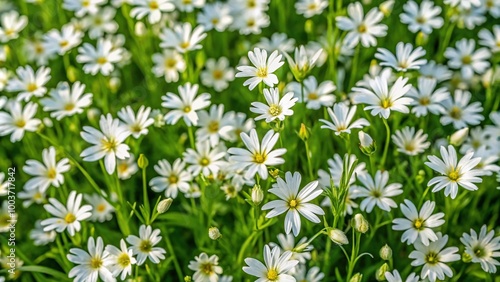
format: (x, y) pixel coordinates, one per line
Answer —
(278, 41)
(182, 37)
(168, 64)
(136, 125)
(41, 237)
(203, 159)
(342, 116)
(424, 18)
(410, 143)
(102, 210)
(121, 260)
(4, 185)
(102, 22)
(418, 225)
(60, 42)
(91, 265)
(100, 58)
(302, 63)
(206, 268)
(257, 156)
(276, 108)
(18, 120)
(144, 245)
(287, 243)
(214, 125)
(66, 101)
(29, 83)
(467, 4)
(217, 74)
(107, 143)
(251, 21)
(490, 40)
(459, 112)
(381, 99)
(239, 123)
(47, 173)
(172, 178)
(434, 258)
(126, 167)
(12, 25)
(293, 202)
(309, 8)
(406, 58)
(32, 196)
(66, 218)
(436, 71)
(452, 174)
(151, 8)
(396, 277)
(313, 275)
(468, 60)
(276, 266)
(82, 8)
(215, 16)
(185, 105)
(188, 6)
(375, 191)
(426, 98)
(489, 158)
(362, 28)
(263, 69)
(7, 216)
(315, 95)
(483, 249)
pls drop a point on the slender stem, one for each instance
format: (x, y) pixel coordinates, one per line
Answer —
(178, 269)
(354, 67)
(386, 145)
(191, 136)
(145, 195)
(309, 163)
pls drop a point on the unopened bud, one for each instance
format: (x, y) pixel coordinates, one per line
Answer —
(257, 195)
(422, 39)
(93, 113)
(274, 173)
(304, 132)
(358, 277)
(140, 29)
(466, 257)
(386, 7)
(72, 74)
(380, 275)
(142, 162)
(187, 279)
(338, 236)
(309, 26)
(301, 248)
(48, 122)
(385, 252)
(360, 223)
(164, 205)
(114, 84)
(213, 233)
(366, 143)
(459, 136)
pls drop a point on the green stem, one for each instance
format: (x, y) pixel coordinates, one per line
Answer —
(145, 195)
(386, 145)
(354, 67)
(309, 163)
(191, 136)
(178, 269)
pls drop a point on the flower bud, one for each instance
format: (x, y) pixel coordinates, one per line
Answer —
(386, 7)
(142, 162)
(422, 39)
(72, 74)
(358, 277)
(140, 29)
(360, 223)
(257, 195)
(93, 113)
(213, 233)
(466, 257)
(385, 252)
(380, 275)
(338, 236)
(304, 132)
(114, 84)
(274, 173)
(309, 26)
(366, 143)
(48, 122)
(164, 205)
(459, 136)
(188, 279)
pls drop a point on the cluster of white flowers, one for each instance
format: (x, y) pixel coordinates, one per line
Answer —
(236, 112)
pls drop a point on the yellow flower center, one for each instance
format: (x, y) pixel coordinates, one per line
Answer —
(385, 103)
(312, 96)
(403, 64)
(424, 101)
(213, 127)
(187, 109)
(272, 275)
(122, 168)
(251, 23)
(170, 63)
(217, 74)
(454, 175)
(39, 48)
(20, 123)
(259, 158)
(418, 223)
(362, 28)
(70, 218)
(172, 179)
(136, 128)
(186, 2)
(153, 5)
(293, 204)
(456, 112)
(184, 45)
(376, 194)
(479, 252)
(63, 43)
(4, 220)
(409, 147)
(69, 107)
(145, 246)
(431, 258)
(215, 21)
(95, 263)
(9, 31)
(51, 173)
(275, 110)
(466, 59)
(109, 145)
(312, 7)
(123, 260)
(206, 268)
(31, 87)
(204, 161)
(489, 4)
(102, 60)
(85, 3)
(262, 72)
(100, 207)
(251, 3)
(421, 19)
(37, 196)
